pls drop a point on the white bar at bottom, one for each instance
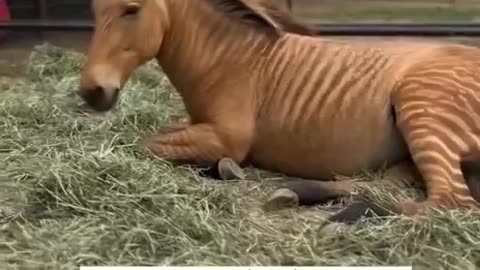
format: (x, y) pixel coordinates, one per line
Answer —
(245, 268)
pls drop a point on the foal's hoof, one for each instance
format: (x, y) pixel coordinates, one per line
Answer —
(229, 170)
(280, 199)
(356, 211)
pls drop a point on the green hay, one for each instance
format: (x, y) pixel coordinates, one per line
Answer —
(80, 190)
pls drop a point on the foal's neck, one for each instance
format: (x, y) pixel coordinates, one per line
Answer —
(202, 44)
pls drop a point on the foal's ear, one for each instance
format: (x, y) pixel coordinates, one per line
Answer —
(263, 9)
(279, 19)
(249, 11)
(262, 13)
(284, 19)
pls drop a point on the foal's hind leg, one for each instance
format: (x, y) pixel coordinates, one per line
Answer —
(471, 170)
(297, 192)
(438, 124)
(402, 175)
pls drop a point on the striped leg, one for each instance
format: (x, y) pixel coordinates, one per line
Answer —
(438, 131)
(177, 125)
(298, 192)
(199, 144)
(471, 170)
(203, 145)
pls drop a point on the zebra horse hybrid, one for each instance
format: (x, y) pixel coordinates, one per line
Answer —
(259, 91)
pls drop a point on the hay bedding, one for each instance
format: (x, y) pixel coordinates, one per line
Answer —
(78, 190)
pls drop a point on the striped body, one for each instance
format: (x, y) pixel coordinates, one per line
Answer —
(296, 104)
(357, 106)
(334, 115)
(321, 106)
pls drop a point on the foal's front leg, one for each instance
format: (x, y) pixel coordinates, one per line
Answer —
(201, 144)
(177, 125)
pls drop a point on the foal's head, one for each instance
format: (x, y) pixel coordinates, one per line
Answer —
(127, 34)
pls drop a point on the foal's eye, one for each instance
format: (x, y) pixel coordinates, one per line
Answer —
(131, 10)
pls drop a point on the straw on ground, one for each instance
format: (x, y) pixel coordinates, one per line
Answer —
(79, 190)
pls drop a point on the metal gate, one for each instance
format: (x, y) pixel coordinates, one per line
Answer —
(52, 15)
(49, 9)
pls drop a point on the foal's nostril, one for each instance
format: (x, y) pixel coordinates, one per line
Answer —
(99, 98)
(115, 92)
(92, 96)
(97, 93)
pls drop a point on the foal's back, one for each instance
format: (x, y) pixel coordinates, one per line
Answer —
(327, 105)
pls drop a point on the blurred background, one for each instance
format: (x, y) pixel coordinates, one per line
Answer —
(388, 10)
(324, 10)
(15, 45)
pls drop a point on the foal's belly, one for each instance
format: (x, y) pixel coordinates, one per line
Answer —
(336, 144)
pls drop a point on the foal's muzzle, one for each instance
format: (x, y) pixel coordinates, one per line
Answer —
(99, 98)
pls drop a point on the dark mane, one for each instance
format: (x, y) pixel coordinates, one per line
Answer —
(261, 14)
